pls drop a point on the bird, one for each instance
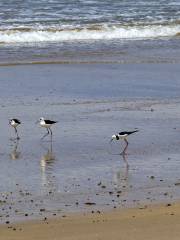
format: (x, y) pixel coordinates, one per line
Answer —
(123, 136)
(14, 122)
(47, 124)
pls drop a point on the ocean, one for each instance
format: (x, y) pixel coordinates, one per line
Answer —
(89, 31)
(97, 67)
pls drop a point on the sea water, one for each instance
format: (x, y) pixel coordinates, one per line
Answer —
(89, 31)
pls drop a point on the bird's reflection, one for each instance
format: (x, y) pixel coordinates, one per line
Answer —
(47, 160)
(15, 154)
(121, 176)
(125, 175)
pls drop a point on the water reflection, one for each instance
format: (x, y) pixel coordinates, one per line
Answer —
(126, 162)
(15, 154)
(47, 161)
(121, 176)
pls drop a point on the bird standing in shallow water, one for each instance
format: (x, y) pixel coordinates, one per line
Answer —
(123, 136)
(14, 122)
(47, 124)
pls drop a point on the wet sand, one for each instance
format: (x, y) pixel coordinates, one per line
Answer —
(158, 222)
(79, 171)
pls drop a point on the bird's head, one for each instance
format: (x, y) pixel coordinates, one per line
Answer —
(40, 119)
(113, 138)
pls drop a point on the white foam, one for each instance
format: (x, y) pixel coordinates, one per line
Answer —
(135, 32)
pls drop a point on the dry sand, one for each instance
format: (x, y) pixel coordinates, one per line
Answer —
(157, 222)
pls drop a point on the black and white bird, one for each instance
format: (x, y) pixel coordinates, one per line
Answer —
(46, 124)
(123, 136)
(14, 122)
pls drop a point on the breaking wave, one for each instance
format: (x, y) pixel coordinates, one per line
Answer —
(35, 35)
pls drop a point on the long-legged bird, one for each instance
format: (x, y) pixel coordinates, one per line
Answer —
(47, 124)
(14, 122)
(123, 136)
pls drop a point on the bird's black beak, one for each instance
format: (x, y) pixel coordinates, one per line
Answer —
(111, 140)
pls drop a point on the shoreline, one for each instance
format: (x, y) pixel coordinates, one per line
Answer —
(148, 222)
(86, 62)
(90, 103)
(97, 73)
(73, 175)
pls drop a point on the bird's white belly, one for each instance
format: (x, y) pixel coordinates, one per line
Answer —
(14, 124)
(123, 136)
(45, 125)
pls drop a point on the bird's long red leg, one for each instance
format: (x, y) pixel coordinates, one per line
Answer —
(124, 151)
(16, 133)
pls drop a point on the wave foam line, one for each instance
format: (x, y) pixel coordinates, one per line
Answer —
(17, 36)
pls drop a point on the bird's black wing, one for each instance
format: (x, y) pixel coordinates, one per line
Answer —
(127, 132)
(50, 122)
(17, 120)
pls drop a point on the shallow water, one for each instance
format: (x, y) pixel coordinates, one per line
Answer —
(66, 83)
(40, 179)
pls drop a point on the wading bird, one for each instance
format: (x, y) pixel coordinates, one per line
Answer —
(47, 124)
(123, 136)
(14, 122)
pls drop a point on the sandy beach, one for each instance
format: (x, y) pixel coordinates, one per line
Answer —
(95, 69)
(78, 181)
(158, 222)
